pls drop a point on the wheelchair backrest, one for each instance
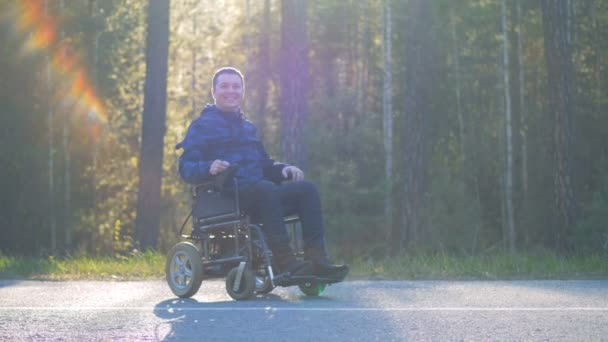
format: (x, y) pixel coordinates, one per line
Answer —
(211, 205)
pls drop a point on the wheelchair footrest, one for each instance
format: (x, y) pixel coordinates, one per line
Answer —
(288, 280)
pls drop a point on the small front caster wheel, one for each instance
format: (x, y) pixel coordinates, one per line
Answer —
(244, 288)
(312, 289)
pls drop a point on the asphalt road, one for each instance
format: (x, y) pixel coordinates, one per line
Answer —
(350, 311)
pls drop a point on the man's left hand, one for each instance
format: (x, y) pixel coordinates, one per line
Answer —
(293, 173)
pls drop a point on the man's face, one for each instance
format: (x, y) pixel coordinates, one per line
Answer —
(228, 92)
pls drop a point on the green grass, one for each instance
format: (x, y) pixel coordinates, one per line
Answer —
(501, 266)
(144, 266)
(494, 267)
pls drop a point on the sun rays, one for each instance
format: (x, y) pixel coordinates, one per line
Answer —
(72, 88)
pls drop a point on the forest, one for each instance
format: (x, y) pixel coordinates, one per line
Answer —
(465, 127)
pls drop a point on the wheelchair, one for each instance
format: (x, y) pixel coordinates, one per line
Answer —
(224, 242)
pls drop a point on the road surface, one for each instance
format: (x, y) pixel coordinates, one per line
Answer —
(350, 311)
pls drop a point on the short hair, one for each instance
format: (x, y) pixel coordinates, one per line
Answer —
(227, 70)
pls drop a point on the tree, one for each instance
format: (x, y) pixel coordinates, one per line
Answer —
(294, 81)
(263, 74)
(416, 130)
(147, 223)
(522, 106)
(387, 105)
(51, 155)
(508, 174)
(559, 69)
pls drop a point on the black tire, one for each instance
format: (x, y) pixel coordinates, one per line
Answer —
(312, 289)
(246, 287)
(184, 269)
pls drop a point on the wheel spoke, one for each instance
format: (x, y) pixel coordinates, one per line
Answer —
(178, 261)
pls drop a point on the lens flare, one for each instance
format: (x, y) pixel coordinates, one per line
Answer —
(73, 88)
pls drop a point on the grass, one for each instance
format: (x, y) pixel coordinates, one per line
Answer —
(493, 267)
(445, 267)
(147, 265)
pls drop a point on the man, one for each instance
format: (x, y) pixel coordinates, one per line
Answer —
(268, 191)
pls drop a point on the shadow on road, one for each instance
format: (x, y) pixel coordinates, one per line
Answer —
(189, 318)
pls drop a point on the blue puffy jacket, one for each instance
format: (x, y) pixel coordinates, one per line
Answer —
(225, 136)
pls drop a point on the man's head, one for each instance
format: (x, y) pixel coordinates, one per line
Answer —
(227, 89)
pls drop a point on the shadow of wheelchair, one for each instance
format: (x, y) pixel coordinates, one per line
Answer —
(190, 319)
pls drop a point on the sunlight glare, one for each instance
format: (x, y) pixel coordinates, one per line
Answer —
(75, 91)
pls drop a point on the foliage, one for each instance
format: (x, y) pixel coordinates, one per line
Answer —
(344, 138)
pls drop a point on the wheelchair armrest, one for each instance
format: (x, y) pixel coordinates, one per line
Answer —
(217, 182)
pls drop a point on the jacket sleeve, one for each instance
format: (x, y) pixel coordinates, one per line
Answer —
(193, 163)
(272, 169)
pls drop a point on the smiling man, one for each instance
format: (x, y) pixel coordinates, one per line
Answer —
(268, 191)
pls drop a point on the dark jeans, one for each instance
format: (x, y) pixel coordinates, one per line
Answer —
(268, 203)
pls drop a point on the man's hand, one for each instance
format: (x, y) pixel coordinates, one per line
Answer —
(293, 172)
(218, 166)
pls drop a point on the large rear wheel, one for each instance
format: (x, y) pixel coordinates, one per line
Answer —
(184, 269)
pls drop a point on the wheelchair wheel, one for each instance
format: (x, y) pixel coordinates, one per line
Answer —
(246, 286)
(184, 270)
(312, 289)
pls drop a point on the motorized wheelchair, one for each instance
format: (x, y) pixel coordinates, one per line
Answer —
(225, 242)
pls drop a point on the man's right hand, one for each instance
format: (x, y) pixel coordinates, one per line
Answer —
(218, 166)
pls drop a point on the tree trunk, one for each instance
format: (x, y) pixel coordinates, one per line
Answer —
(523, 129)
(363, 69)
(294, 81)
(598, 40)
(153, 125)
(559, 68)
(387, 101)
(508, 135)
(458, 91)
(416, 129)
(263, 71)
(248, 51)
(96, 130)
(51, 163)
(193, 48)
(67, 161)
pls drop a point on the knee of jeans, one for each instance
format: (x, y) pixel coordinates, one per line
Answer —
(266, 189)
(308, 187)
